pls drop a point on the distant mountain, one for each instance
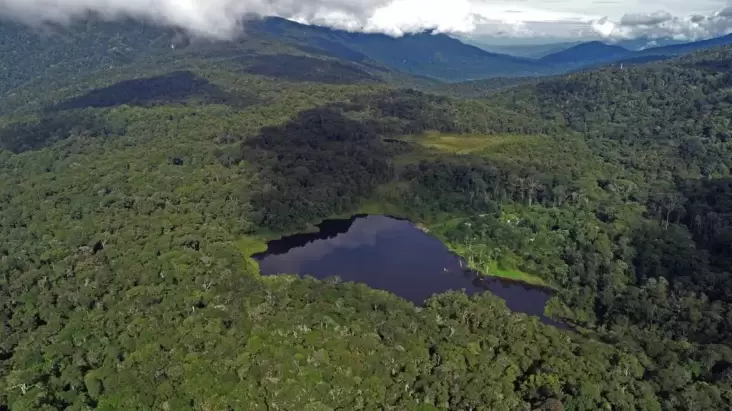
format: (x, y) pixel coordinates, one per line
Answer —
(534, 51)
(281, 48)
(585, 54)
(445, 58)
(595, 53)
(685, 48)
(643, 43)
(434, 55)
(62, 55)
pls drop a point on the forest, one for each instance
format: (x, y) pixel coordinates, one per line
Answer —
(132, 198)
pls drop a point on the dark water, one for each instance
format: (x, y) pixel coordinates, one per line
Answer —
(392, 255)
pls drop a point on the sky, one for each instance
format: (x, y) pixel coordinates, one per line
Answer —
(686, 20)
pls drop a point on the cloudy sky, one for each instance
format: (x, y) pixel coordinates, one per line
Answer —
(680, 19)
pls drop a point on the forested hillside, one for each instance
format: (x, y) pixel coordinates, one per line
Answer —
(133, 194)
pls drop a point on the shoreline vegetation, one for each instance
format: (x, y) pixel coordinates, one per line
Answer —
(251, 245)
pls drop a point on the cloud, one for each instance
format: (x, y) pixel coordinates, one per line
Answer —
(664, 25)
(515, 18)
(650, 19)
(221, 18)
(213, 18)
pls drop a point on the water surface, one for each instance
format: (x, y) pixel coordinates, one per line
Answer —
(393, 255)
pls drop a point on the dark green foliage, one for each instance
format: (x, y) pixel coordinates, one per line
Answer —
(480, 88)
(484, 184)
(708, 214)
(434, 55)
(413, 112)
(51, 50)
(51, 128)
(302, 68)
(328, 160)
(320, 164)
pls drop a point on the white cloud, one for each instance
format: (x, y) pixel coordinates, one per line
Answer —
(648, 19)
(666, 25)
(521, 18)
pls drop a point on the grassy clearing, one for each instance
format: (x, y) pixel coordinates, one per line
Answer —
(479, 143)
(558, 155)
(248, 246)
(566, 156)
(516, 275)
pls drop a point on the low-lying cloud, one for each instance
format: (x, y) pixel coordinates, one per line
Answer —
(665, 25)
(222, 18)
(650, 19)
(512, 18)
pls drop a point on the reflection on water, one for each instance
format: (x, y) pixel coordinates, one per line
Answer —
(392, 255)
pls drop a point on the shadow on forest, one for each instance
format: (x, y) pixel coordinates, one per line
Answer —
(70, 117)
(328, 159)
(708, 215)
(319, 164)
(681, 263)
(23, 137)
(176, 87)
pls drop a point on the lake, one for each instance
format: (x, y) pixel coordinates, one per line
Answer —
(393, 255)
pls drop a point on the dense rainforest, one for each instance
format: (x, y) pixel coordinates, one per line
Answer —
(133, 194)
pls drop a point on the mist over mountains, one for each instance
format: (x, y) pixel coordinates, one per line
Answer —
(612, 21)
(99, 43)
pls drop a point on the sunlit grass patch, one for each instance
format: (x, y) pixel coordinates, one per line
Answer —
(477, 143)
(248, 246)
(514, 274)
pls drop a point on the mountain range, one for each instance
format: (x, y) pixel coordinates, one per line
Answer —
(585, 53)
(435, 55)
(426, 57)
(445, 58)
(549, 46)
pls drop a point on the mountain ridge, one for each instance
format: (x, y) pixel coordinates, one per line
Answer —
(432, 54)
(586, 53)
(420, 58)
(595, 53)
